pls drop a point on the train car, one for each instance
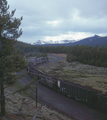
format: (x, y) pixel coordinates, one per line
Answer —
(102, 102)
(75, 91)
(33, 62)
(46, 59)
(49, 82)
(38, 60)
(42, 59)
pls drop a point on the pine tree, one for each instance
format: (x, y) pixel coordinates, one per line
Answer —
(10, 60)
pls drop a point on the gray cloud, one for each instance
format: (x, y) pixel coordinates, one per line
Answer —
(42, 18)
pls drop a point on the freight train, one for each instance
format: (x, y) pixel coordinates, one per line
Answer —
(38, 60)
(75, 91)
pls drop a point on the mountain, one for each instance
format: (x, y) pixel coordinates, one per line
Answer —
(91, 41)
(40, 42)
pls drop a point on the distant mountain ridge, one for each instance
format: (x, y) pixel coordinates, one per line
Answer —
(90, 41)
(40, 42)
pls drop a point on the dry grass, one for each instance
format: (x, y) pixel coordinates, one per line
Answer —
(22, 107)
(95, 77)
(60, 55)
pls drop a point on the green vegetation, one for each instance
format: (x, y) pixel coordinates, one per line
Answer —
(63, 74)
(85, 54)
(37, 54)
(10, 60)
(25, 48)
(88, 55)
(43, 70)
(92, 55)
(17, 86)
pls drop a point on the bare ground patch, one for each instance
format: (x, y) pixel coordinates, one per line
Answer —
(60, 55)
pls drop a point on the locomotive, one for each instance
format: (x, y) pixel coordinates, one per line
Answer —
(38, 60)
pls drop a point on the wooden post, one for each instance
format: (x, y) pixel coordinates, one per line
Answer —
(36, 89)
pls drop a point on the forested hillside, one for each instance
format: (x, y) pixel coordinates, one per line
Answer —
(24, 47)
(92, 55)
(96, 56)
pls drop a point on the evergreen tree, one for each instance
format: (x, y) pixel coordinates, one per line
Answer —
(10, 61)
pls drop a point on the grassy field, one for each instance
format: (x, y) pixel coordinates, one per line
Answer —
(87, 75)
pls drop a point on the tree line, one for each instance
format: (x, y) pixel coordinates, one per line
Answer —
(92, 55)
(96, 56)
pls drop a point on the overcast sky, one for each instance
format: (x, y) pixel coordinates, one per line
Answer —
(60, 19)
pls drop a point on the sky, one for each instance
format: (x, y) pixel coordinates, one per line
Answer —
(60, 19)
